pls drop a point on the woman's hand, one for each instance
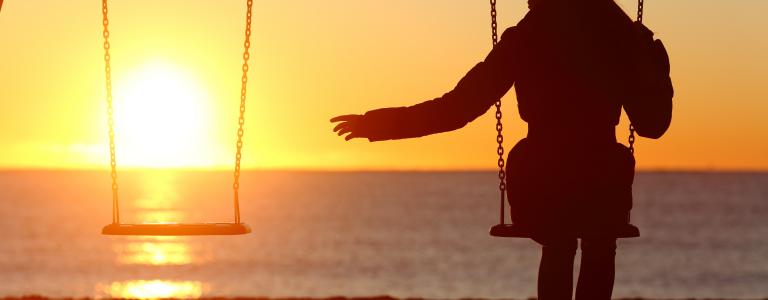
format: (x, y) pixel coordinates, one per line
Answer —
(348, 124)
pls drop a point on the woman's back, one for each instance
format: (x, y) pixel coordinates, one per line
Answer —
(574, 66)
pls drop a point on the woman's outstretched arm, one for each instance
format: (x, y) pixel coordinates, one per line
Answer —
(483, 85)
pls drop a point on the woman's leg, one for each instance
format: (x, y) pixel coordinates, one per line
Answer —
(556, 268)
(597, 269)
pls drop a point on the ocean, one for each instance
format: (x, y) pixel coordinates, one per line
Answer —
(319, 234)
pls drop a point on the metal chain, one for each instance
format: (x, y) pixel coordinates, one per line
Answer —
(110, 111)
(494, 26)
(499, 126)
(241, 119)
(631, 138)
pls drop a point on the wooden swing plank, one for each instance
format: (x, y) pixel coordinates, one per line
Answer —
(516, 231)
(176, 229)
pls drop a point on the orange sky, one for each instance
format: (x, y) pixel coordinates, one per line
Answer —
(312, 60)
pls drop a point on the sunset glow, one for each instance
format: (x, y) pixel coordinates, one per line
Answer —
(177, 82)
(162, 118)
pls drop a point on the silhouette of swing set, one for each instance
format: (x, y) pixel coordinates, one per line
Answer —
(173, 229)
(502, 229)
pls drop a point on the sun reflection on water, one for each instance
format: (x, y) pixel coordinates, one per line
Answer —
(159, 200)
(154, 251)
(153, 289)
(160, 216)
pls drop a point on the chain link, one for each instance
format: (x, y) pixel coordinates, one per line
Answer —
(499, 126)
(494, 26)
(241, 119)
(631, 139)
(110, 111)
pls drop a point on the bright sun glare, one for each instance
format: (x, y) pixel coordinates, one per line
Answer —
(162, 119)
(154, 289)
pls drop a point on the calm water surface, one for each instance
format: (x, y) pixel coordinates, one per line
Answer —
(359, 234)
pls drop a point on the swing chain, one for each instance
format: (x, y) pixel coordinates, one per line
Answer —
(494, 27)
(499, 126)
(631, 139)
(110, 111)
(241, 119)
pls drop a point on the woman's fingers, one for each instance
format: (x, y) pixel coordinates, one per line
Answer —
(342, 125)
(342, 118)
(352, 136)
(347, 126)
(344, 130)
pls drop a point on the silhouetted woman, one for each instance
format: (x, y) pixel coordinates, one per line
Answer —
(574, 64)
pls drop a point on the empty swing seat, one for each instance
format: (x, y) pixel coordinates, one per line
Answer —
(516, 231)
(172, 229)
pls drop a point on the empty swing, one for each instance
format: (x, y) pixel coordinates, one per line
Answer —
(172, 229)
(503, 229)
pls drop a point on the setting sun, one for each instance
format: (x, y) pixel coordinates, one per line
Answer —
(163, 119)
